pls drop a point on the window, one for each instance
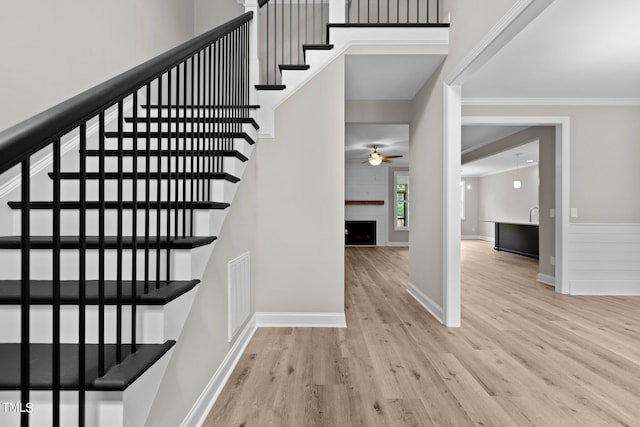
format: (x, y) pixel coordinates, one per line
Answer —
(402, 201)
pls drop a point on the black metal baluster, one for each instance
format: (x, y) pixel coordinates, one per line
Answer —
(82, 255)
(428, 17)
(275, 43)
(219, 113)
(298, 38)
(179, 125)
(368, 11)
(158, 186)
(56, 285)
(168, 181)
(418, 11)
(25, 294)
(199, 127)
(119, 237)
(192, 143)
(184, 149)
(314, 21)
(397, 11)
(267, 40)
(281, 36)
(134, 221)
(147, 195)
(210, 120)
(101, 245)
(437, 11)
(407, 11)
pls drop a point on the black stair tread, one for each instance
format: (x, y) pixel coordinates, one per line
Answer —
(165, 153)
(203, 107)
(117, 377)
(270, 87)
(317, 46)
(152, 175)
(249, 120)
(42, 294)
(181, 134)
(294, 67)
(111, 204)
(111, 242)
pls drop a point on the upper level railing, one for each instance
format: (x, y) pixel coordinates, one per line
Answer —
(154, 136)
(289, 27)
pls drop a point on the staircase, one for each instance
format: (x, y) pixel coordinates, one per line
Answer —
(108, 242)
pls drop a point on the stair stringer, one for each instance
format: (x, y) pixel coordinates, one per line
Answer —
(351, 41)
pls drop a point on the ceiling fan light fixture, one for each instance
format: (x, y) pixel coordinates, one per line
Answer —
(375, 160)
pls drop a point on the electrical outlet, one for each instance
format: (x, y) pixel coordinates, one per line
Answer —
(552, 212)
(574, 212)
(552, 260)
(473, 229)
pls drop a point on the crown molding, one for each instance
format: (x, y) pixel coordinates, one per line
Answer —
(576, 102)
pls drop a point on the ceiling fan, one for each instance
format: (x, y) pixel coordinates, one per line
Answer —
(375, 158)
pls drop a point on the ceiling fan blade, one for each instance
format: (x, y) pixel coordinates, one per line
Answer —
(366, 161)
(386, 161)
(392, 157)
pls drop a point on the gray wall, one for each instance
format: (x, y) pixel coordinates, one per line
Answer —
(604, 155)
(208, 14)
(389, 112)
(54, 50)
(473, 19)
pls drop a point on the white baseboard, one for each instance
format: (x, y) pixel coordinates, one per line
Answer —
(547, 279)
(605, 287)
(301, 320)
(207, 398)
(477, 237)
(432, 307)
(401, 244)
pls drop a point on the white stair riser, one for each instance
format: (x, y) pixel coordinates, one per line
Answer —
(220, 190)
(205, 222)
(103, 408)
(154, 323)
(292, 78)
(129, 408)
(185, 264)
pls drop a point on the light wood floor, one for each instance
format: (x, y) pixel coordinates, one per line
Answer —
(523, 356)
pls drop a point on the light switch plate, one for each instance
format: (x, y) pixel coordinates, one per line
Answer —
(574, 212)
(552, 212)
(552, 260)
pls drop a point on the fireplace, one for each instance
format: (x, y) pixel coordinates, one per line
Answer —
(360, 233)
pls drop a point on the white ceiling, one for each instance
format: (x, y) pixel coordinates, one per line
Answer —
(371, 77)
(476, 136)
(390, 139)
(503, 161)
(573, 49)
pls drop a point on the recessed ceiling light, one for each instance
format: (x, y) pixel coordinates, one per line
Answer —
(529, 161)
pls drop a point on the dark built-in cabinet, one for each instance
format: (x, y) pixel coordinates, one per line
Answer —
(521, 239)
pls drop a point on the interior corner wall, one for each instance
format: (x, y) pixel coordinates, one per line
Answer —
(471, 20)
(299, 265)
(203, 344)
(377, 111)
(53, 50)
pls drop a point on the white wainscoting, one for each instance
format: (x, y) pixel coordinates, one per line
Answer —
(604, 259)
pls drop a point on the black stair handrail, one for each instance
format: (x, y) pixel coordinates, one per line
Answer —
(22, 140)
